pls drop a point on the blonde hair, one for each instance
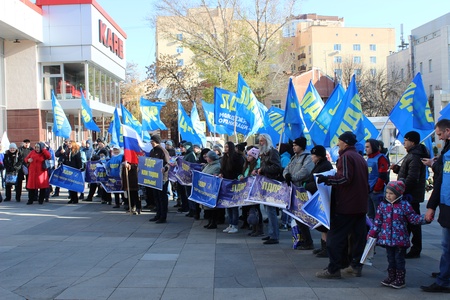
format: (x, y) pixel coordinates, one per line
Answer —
(75, 147)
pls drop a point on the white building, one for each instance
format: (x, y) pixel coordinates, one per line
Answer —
(59, 45)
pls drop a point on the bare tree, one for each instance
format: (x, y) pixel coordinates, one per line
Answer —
(132, 89)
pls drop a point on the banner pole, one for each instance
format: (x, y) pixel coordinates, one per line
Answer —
(128, 189)
(281, 137)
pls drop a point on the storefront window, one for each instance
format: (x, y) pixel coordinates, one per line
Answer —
(65, 80)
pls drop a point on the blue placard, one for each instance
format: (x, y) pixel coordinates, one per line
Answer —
(68, 178)
(113, 185)
(270, 192)
(205, 188)
(150, 172)
(299, 198)
(234, 192)
(184, 172)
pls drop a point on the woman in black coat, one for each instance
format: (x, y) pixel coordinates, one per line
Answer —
(72, 158)
(13, 163)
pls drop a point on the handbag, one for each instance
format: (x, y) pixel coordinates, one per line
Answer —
(25, 169)
(11, 178)
(47, 164)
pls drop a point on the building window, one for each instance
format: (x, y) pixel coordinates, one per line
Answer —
(356, 47)
(373, 47)
(430, 66)
(421, 68)
(338, 59)
(357, 72)
(180, 36)
(309, 49)
(431, 90)
(276, 103)
(373, 59)
(180, 49)
(373, 72)
(338, 73)
(356, 59)
(180, 62)
(337, 47)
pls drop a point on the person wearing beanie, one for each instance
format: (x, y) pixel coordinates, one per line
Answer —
(211, 167)
(321, 164)
(160, 196)
(253, 152)
(413, 171)
(394, 236)
(378, 175)
(351, 189)
(12, 162)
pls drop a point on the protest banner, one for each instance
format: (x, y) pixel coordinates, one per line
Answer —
(234, 192)
(184, 172)
(205, 188)
(270, 192)
(299, 198)
(91, 171)
(68, 178)
(149, 172)
(113, 185)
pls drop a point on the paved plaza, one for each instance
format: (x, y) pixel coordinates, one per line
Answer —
(91, 251)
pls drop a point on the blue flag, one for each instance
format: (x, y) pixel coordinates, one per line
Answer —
(294, 125)
(422, 117)
(348, 116)
(185, 127)
(115, 129)
(319, 130)
(445, 113)
(208, 109)
(311, 105)
(86, 115)
(370, 131)
(151, 112)
(61, 126)
(402, 115)
(225, 112)
(130, 120)
(273, 121)
(247, 106)
(198, 125)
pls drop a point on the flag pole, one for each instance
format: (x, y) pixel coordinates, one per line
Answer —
(128, 188)
(419, 143)
(382, 128)
(281, 137)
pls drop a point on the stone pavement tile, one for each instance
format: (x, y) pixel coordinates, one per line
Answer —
(80, 292)
(378, 292)
(290, 293)
(191, 282)
(140, 293)
(187, 269)
(45, 287)
(333, 293)
(281, 275)
(188, 293)
(7, 295)
(132, 281)
(247, 280)
(239, 293)
(100, 281)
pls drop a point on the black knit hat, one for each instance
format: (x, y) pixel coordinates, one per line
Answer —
(413, 136)
(156, 138)
(319, 151)
(301, 142)
(241, 146)
(349, 138)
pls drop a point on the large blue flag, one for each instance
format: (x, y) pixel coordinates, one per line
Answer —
(273, 121)
(185, 127)
(208, 109)
(319, 130)
(133, 122)
(403, 114)
(247, 106)
(370, 131)
(422, 117)
(294, 125)
(86, 115)
(61, 126)
(115, 129)
(311, 105)
(199, 127)
(225, 112)
(348, 116)
(151, 112)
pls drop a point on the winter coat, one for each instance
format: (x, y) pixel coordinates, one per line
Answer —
(73, 160)
(412, 172)
(351, 183)
(236, 162)
(212, 168)
(37, 175)
(390, 223)
(12, 161)
(299, 167)
(270, 164)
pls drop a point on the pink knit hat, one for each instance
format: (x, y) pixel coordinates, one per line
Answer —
(254, 152)
(397, 187)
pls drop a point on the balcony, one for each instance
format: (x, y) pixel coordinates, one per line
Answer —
(302, 56)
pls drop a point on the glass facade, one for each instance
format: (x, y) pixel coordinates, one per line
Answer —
(67, 79)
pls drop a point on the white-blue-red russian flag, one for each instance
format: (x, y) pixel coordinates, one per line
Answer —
(132, 145)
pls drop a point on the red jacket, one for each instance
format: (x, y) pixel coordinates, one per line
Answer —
(37, 176)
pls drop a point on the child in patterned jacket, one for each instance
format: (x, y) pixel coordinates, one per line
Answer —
(390, 229)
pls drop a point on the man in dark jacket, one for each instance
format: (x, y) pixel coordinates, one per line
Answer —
(24, 150)
(413, 173)
(441, 197)
(349, 208)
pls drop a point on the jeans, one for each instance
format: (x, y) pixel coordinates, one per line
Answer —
(273, 229)
(396, 257)
(444, 265)
(373, 202)
(286, 219)
(233, 215)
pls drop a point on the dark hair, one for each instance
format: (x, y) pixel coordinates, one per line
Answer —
(374, 144)
(443, 124)
(227, 159)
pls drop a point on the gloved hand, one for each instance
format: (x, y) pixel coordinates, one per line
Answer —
(288, 178)
(322, 179)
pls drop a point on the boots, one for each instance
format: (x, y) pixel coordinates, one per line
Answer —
(209, 223)
(399, 281)
(323, 249)
(390, 279)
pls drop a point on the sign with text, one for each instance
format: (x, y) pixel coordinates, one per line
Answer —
(68, 178)
(205, 188)
(149, 172)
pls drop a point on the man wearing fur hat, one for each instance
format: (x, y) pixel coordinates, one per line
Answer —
(348, 208)
(413, 173)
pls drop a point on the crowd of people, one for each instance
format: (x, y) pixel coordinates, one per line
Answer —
(364, 202)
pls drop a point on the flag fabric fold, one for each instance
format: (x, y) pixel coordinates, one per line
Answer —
(115, 129)
(132, 145)
(151, 112)
(198, 125)
(247, 106)
(185, 127)
(273, 121)
(208, 109)
(86, 114)
(61, 125)
(311, 105)
(132, 121)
